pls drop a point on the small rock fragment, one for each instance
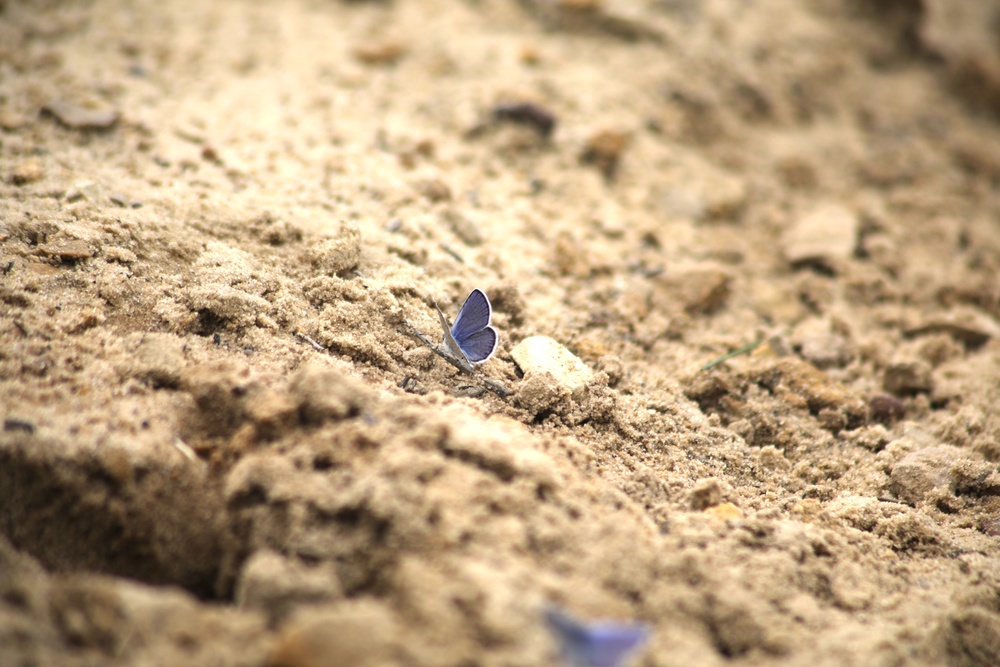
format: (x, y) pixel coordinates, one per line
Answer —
(906, 378)
(819, 341)
(705, 493)
(15, 424)
(622, 20)
(724, 512)
(26, 172)
(916, 474)
(970, 327)
(12, 120)
(380, 53)
(710, 194)
(360, 633)
(67, 251)
(434, 190)
(86, 190)
(826, 237)
(552, 374)
(887, 409)
(700, 289)
(604, 150)
(81, 118)
(527, 113)
(990, 526)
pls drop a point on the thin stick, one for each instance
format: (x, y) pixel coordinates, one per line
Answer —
(319, 348)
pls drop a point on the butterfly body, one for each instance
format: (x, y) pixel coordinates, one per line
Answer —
(471, 339)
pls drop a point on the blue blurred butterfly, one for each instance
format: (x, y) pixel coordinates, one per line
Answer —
(471, 339)
(597, 644)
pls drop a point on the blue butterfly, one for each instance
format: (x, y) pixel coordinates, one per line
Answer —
(471, 339)
(597, 644)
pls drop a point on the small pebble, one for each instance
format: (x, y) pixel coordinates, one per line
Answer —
(11, 120)
(604, 150)
(887, 409)
(356, 632)
(905, 378)
(970, 327)
(916, 474)
(86, 190)
(68, 251)
(81, 118)
(825, 237)
(541, 354)
(991, 526)
(553, 376)
(704, 494)
(434, 190)
(699, 289)
(380, 53)
(26, 172)
(725, 512)
(13, 424)
(527, 113)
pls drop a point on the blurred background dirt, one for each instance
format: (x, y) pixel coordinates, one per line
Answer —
(218, 221)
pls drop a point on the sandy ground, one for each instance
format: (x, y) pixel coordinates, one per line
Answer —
(219, 222)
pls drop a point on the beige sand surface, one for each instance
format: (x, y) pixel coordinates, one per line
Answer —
(219, 220)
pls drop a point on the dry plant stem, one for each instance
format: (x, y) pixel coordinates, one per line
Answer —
(497, 388)
(317, 346)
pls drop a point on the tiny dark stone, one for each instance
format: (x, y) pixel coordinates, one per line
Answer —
(991, 526)
(887, 409)
(13, 424)
(526, 113)
(604, 150)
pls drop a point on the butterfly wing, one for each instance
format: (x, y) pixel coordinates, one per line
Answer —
(595, 644)
(480, 345)
(610, 645)
(474, 316)
(452, 345)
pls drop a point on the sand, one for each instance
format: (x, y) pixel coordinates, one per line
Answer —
(220, 223)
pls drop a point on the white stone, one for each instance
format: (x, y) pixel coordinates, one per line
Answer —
(828, 235)
(541, 354)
